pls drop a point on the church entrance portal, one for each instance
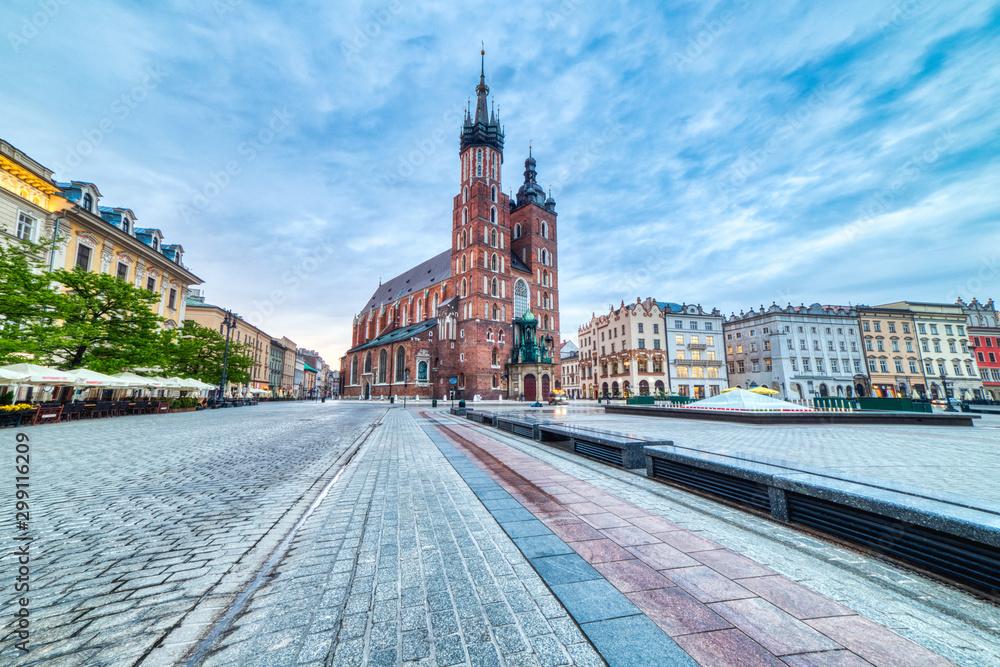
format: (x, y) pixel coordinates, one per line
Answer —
(529, 388)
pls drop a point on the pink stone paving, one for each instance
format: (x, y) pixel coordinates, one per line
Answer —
(720, 607)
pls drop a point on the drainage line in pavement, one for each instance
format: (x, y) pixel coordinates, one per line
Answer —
(205, 645)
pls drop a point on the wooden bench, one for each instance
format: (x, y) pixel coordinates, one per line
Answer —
(47, 414)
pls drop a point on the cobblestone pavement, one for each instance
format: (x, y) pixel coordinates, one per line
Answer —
(135, 519)
(402, 564)
(945, 458)
(147, 530)
(949, 622)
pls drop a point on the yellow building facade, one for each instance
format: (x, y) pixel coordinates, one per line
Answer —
(101, 239)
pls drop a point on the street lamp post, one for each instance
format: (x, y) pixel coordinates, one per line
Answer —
(229, 321)
(406, 381)
(947, 396)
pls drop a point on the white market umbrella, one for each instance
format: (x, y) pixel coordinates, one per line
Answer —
(88, 378)
(34, 374)
(137, 380)
(11, 376)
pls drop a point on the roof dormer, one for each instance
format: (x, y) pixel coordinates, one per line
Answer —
(83, 194)
(151, 237)
(175, 251)
(122, 218)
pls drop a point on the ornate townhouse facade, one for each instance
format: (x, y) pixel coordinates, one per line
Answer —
(695, 349)
(983, 325)
(801, 352)
(892, 353)
(623, 353)
(447, 326)
(101, 239)
(243, 333)
(948, 357)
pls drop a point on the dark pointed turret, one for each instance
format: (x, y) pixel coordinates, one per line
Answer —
(530, 192)
(482, 129)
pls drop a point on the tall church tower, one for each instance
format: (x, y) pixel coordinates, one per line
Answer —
(496, 268)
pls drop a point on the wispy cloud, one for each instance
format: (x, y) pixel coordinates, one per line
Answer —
(728, 153)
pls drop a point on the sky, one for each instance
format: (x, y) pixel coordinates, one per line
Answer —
(732, 154)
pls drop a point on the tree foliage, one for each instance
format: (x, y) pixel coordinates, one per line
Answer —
(27, 299)
(199, 352)
(104, 323)
(78, 319)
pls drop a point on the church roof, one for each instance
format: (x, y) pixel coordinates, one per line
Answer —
(420, 277)
(400, 333)
(517, 263)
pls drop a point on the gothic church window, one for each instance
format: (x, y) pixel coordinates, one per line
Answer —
(383, 363)
(479, 162)
(520, 297)
(400, 364)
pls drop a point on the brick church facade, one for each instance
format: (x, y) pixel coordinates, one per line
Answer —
(481, 318)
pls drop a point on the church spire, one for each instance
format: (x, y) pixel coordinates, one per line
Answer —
(482, 128)
(482, 92)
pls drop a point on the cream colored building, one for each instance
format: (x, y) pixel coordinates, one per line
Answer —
(101, 239)
(944, 347)
(243, 333)
(569, 357)
(892, 353)
(624, 352)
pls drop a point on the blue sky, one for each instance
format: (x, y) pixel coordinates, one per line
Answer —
(730, 154)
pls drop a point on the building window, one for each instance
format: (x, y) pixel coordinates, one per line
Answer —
(88, 202)
(913, 366)
(640, 327)
(400, 365)
(545, 230)
(656, 343)
(642, 343)
(520, 297)
(678, 324)
(151, 284)
(25, 227)
(122, 271)
(83, 257)
(125, 225)
(172, 300)
(479, 162)
(493, 190)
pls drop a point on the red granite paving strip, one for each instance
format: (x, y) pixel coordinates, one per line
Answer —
(600, 551)
(577, 532)
(731, 564)
(778, 632)
(629, 536)
(687, 541)
(715, 589)
(662, 556)
(653, 524)
(707, 585)
(794, 598)
(566, 498)
(585, 508)
(628, 511)
(826, 659)
(605, 520)
(726, 648)
(878, 645)
(630, 576)
(676, 612)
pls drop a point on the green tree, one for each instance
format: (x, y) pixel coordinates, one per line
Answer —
(27, 300)
(199, 352)
(104, 323)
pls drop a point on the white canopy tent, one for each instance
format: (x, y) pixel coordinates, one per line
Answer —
(741, 399)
